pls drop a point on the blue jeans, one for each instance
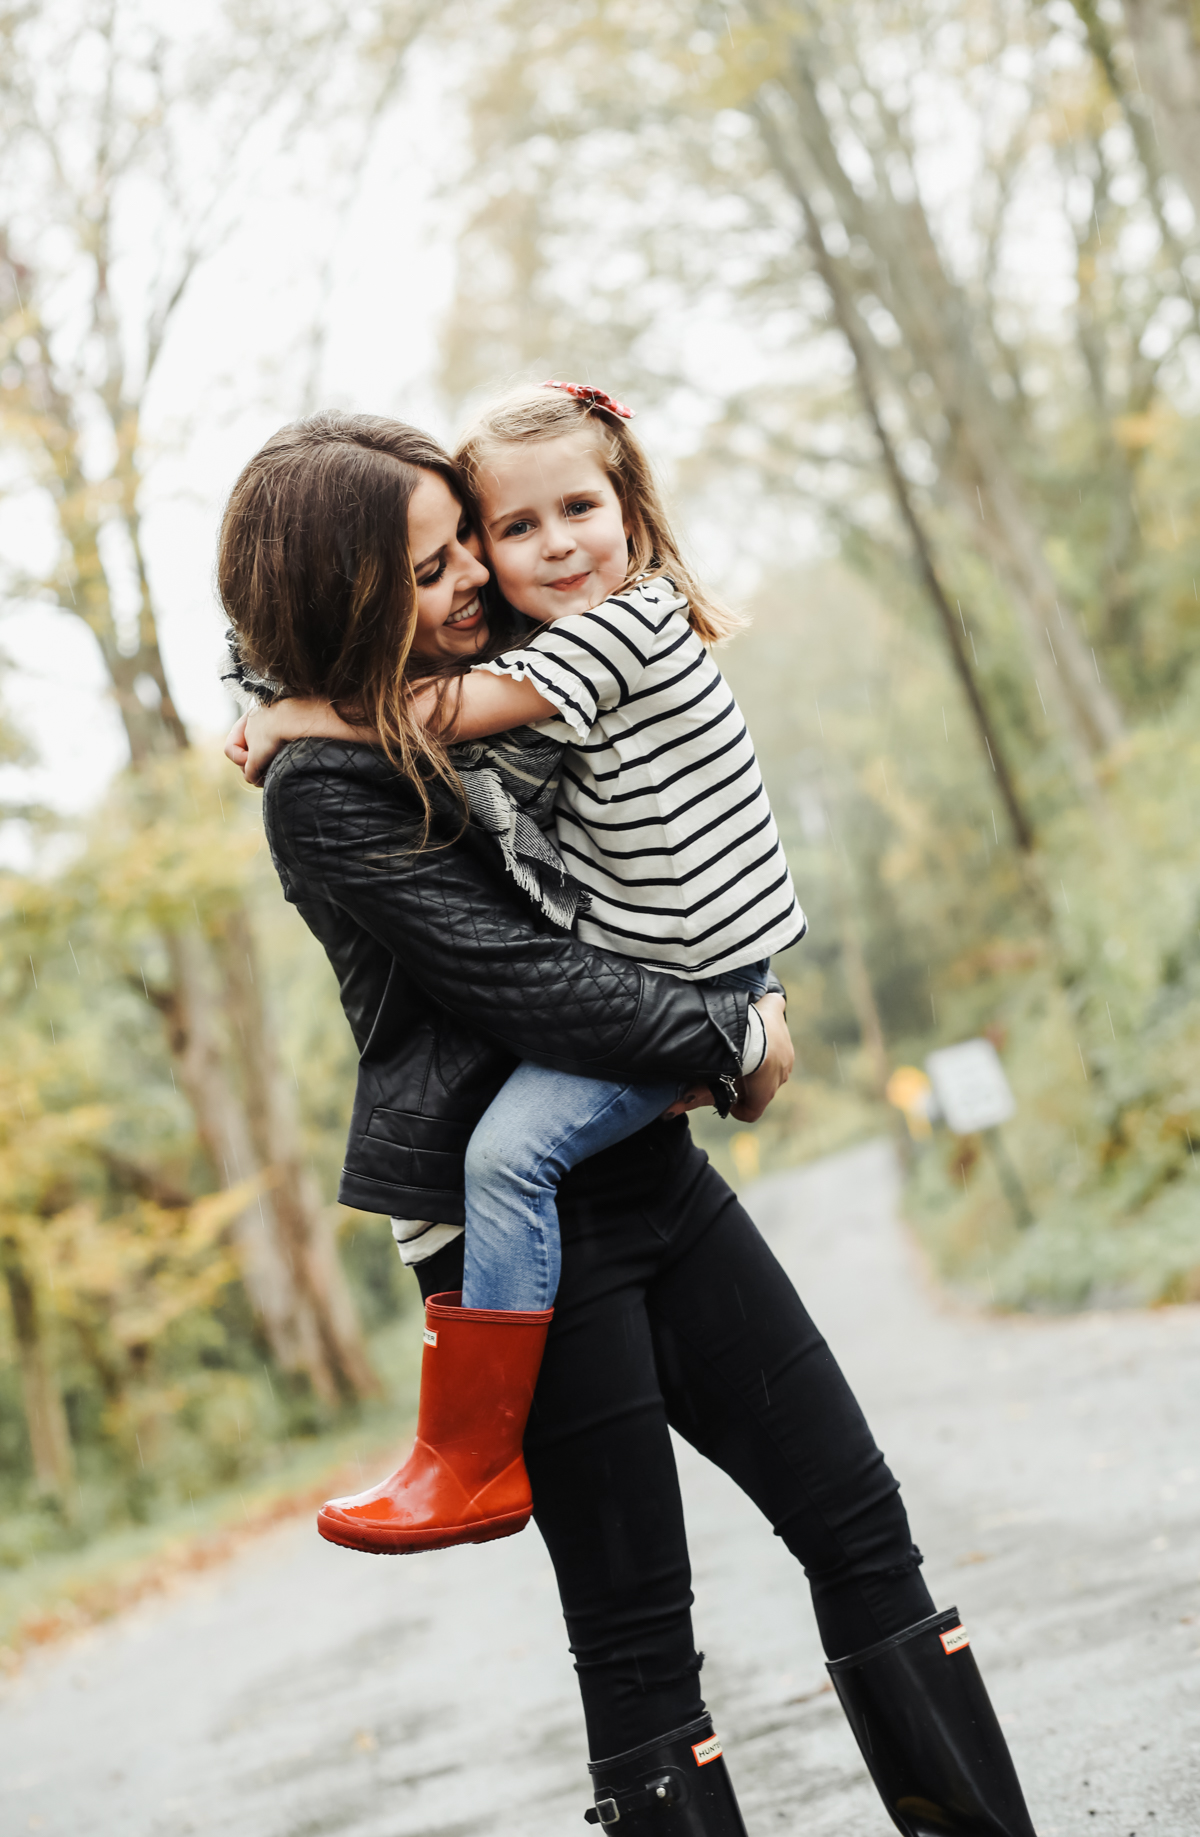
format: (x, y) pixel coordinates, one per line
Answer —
(539, 1126)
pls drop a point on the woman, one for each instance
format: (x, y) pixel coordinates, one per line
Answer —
(349, 569)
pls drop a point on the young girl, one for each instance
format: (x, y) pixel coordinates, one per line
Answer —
(621, 733)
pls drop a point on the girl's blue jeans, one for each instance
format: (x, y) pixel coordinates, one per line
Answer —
(541, 1124)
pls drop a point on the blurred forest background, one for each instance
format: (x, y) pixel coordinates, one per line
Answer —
(906, 298)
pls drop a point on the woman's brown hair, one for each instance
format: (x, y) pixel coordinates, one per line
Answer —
(547, 413)
(315, 572)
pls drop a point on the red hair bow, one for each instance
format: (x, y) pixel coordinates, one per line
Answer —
(595, 398)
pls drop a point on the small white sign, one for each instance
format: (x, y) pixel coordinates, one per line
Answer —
(970, 1086)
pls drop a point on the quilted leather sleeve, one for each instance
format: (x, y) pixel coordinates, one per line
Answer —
(343, 828)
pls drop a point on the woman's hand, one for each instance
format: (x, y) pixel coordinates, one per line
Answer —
(253, 741)
(760, 1087)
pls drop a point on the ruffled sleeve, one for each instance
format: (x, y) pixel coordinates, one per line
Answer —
(589, 662)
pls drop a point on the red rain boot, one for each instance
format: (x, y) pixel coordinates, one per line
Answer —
(465, 1480)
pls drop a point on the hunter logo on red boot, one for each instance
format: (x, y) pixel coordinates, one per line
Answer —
(430, 1337)
(954, 1640)
(706, 1750)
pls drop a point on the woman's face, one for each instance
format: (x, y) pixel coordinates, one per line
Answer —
(450, 618)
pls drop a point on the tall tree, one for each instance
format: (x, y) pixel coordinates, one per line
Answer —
(760, 141)
(49, 1437)
(105, 138)
(821, 93)
(1165, 37)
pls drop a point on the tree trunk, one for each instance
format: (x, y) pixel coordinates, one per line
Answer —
(935, 320)
(288, 1257)
(271, 1270)
(858, 983)
(847, 317)
(1051, 636)
(49, 1437)
(59, 396)
(1165, 36)
(305, 1227)
(1178, 149)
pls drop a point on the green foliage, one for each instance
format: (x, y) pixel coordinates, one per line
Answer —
(688, 140)
(963, 209)
(1102, 1042)
(1085, 970)
(105, 1192)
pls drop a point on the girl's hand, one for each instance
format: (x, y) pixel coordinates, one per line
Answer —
(265, 730)
(235, 744)
(760, 1087)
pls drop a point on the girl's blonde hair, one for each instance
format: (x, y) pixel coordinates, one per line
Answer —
(530, 413)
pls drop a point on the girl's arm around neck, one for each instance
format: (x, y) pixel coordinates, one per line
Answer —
(471, 708)
(481, 704)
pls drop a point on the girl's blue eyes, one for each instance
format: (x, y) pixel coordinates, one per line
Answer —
(578, 507)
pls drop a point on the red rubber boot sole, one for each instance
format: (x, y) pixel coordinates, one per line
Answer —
(335, 1530)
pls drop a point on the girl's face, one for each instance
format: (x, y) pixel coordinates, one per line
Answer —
(553, 525)
(445, 552)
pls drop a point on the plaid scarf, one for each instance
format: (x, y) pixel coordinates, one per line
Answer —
(510, 782)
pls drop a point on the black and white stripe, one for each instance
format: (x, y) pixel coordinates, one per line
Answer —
(661, 810)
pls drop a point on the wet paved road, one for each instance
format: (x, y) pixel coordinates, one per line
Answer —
(1052, 1472)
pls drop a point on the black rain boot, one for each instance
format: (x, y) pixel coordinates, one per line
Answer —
(929, 1735)
(676, 1786)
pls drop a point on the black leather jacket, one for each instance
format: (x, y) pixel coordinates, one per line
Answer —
(449, 975)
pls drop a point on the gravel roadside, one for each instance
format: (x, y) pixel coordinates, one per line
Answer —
(1052, 1472)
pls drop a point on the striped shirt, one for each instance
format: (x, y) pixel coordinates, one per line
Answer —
(661, 811)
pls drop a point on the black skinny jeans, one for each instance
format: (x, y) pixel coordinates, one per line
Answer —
(673, 1311)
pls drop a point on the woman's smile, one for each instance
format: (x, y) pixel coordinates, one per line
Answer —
(451, 622)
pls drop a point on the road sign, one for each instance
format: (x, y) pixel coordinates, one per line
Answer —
(970, 1086)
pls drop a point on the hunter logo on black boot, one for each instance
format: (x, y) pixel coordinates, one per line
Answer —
(675, 1786)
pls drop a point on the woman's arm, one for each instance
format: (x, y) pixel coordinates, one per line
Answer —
(757, 1089)
(343, 827)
